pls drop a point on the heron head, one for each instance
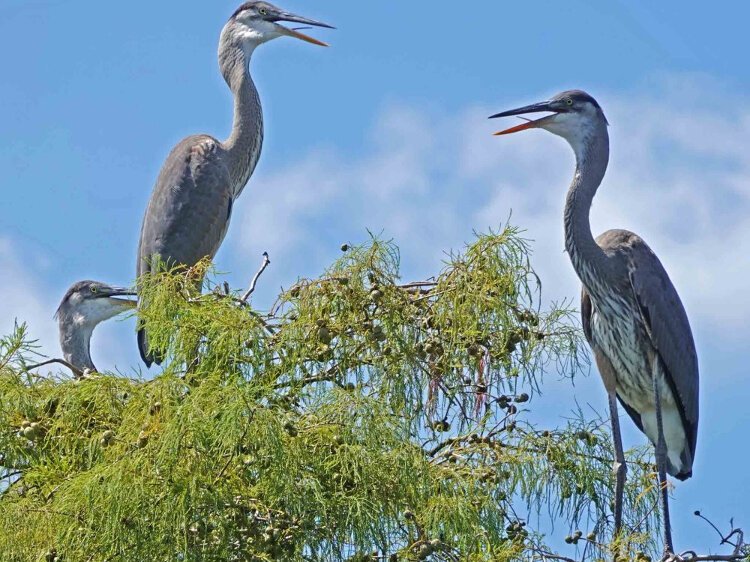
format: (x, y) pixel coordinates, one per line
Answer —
(91, 302)
(257, 22)
(574, 115)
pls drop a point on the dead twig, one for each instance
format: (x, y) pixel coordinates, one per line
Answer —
(76, 371)
(736, 556)
(254, 282)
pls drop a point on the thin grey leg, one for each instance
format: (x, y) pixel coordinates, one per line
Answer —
(620, 468)
(661, 464)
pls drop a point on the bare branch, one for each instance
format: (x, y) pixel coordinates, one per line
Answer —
(76, 371)
(251, 290)
(690, 556)
(737, 555)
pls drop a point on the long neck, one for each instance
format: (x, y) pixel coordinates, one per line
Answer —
(245, 141)
(592, 156)
(75, 342)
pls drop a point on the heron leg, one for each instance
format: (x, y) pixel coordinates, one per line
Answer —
(661, 464)
(619, 466)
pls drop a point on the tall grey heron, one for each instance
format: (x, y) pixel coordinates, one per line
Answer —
(632, 316)
(86, 304)
(191, 204)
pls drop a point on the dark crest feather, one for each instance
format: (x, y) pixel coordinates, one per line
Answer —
(581, 96)
(248, 5)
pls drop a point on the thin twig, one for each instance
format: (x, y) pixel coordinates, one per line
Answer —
(76, 371)
(417, 284)
(690, 556)
(263, 266)
(325, 376)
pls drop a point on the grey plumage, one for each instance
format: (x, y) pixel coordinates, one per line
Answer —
(84, 306)
(663, 323)
(191, 205)
(632, 315)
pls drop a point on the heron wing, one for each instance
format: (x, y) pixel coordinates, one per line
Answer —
(669, 329)
(188, 213)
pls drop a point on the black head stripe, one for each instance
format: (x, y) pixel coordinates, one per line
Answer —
(245, 6)
(579, 96)
(249, 5)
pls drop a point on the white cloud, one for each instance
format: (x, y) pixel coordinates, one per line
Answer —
(24, 299)
(679, 176)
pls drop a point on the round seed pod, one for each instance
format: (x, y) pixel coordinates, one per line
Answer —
(441, 426)
(142, 439)
(424, 551)
(324, 335)
(29, 433)
(344, 247)
(290, 429)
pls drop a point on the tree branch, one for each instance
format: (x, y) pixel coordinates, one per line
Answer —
(76, 371)
(251, 289)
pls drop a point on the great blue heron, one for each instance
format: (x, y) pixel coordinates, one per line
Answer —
(191, 204)
(86, 304)
(633, 318)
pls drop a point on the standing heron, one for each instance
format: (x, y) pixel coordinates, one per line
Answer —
(633, 318)
(191, 204)
(86, 304)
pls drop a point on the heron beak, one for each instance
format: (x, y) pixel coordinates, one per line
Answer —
(530, 124)
(120, 292)
(286, 16)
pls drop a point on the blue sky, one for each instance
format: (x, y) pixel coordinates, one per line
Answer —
(387, 130)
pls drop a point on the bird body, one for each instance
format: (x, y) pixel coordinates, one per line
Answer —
(84, 306)
(632, 315)
(190, 207)
(192, 199)
(623, 344)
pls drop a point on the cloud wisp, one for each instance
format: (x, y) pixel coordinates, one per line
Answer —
(679, 178)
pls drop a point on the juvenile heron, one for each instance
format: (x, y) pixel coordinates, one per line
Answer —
(86, 304)
(191, 204)
(633, 318)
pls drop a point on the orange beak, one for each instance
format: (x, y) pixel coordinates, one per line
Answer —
(303, 37)
(522, 127)
(544, 106)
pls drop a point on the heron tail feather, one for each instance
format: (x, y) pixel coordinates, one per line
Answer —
(149, 356)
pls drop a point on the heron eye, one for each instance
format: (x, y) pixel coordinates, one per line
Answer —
(94, 290)
(568, 101)
(263, 12)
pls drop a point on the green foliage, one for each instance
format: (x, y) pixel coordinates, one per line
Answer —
(358, 419)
